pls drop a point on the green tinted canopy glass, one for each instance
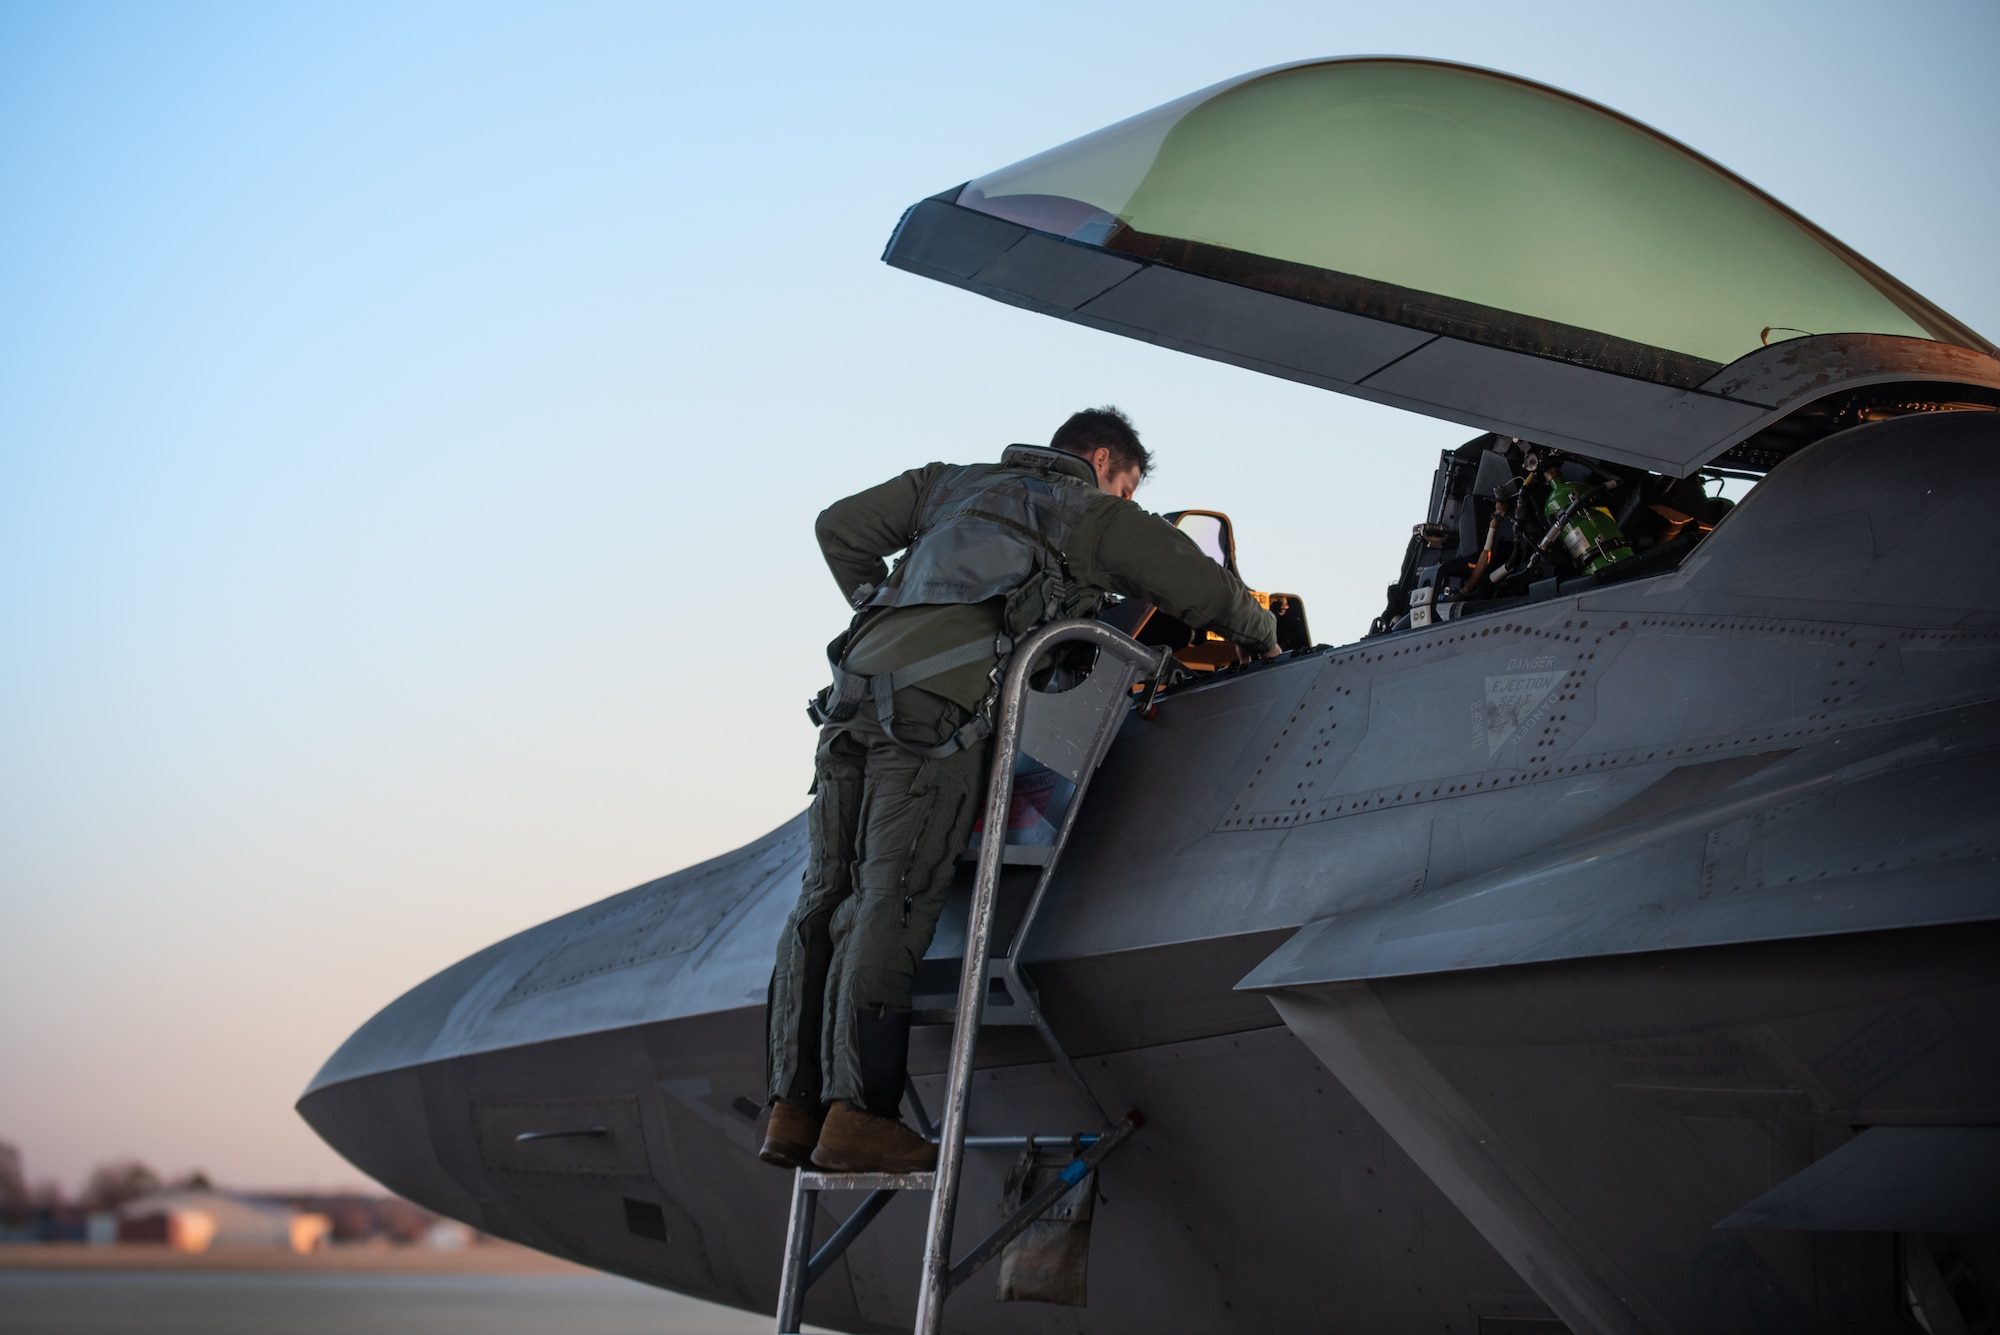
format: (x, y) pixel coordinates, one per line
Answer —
(1467, 202)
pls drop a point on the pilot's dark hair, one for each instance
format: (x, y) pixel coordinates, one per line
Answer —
(1104, 428)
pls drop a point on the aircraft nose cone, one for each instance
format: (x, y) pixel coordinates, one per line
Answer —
(699, 942)
(379, 1124)
(368, 1100)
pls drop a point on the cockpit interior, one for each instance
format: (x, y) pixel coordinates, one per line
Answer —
(1512, 522)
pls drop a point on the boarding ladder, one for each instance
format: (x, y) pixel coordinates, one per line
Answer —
(1067, 732)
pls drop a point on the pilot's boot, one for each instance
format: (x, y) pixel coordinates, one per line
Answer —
(789, 1138)
(870, 1138)
(853, 1141)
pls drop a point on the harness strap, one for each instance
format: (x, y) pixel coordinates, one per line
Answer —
(974, 730)
(884, 685)
(972, 651)
(850, 689)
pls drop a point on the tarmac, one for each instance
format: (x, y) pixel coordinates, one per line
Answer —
(487, 1288)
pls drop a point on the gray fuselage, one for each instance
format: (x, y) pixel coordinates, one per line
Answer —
(1468, 973)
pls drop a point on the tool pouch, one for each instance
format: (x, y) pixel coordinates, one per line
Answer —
(1049, 1262)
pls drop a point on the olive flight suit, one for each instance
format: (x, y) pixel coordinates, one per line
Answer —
(887, 823)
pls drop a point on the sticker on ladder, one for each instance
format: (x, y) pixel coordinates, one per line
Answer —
(1041, 797)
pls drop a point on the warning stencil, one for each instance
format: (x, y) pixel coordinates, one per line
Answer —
(1514, 704)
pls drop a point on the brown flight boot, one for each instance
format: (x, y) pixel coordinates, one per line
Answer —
(854, 1141)
(789, 1137)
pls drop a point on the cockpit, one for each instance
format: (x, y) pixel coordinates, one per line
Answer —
(1511, 522)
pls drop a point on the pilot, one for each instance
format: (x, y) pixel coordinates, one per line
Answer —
(991, 552)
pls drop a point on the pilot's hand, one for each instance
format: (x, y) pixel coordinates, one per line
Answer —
(1272, 652)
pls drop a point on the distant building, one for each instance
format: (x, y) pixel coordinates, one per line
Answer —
(448, 1235)
(194, 1220)
(359, 1218)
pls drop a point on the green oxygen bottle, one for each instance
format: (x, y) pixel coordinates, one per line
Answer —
(1590, 535)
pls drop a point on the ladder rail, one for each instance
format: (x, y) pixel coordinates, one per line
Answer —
(850, 1229)
(798, 1243)
(1024, 987)
(1019, 985)
(937, 1279)
(803, 1265)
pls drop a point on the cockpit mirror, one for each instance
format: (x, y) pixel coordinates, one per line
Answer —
(1211, 532)
(1206, 650)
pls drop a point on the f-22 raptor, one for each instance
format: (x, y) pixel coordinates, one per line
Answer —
(1605, 941)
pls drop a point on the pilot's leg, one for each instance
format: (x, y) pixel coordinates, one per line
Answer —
(916, 816)
(795, 1016)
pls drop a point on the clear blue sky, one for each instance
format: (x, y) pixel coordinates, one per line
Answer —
(412, 418)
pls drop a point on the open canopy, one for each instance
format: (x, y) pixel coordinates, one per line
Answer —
(1447, 239)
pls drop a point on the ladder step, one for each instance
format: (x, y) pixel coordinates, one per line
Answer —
(1015, 855)
(1039, 1141)
(996, 1017)
(814, 1181)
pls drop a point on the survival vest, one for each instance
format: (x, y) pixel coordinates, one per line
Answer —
(987, 531)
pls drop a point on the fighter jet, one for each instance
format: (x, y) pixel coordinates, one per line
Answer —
(1605, 940)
